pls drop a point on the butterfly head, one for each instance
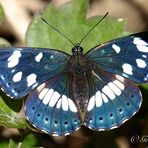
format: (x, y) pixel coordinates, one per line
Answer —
(77, 49)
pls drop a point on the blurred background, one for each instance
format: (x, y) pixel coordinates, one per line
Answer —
(18, 15)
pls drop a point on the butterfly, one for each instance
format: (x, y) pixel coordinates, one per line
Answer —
(95, 89)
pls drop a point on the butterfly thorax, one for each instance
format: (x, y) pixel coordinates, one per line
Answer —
(78, 61)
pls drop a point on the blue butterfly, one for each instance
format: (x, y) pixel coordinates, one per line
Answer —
(66, 91)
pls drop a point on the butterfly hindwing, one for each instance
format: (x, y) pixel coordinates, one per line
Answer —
(23, 69)
(51, 108)
(126, 56)
(113, 100)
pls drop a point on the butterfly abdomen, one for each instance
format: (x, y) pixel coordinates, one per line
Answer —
(80, 92)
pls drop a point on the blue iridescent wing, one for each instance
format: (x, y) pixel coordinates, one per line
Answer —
(51, 108)
(113, 100)
(23, 69)
(126, 56)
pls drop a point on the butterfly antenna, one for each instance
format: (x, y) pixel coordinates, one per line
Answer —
(93, 28)
(58, 31)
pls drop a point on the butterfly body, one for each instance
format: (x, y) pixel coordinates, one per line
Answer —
(80, 70)
(94, 89)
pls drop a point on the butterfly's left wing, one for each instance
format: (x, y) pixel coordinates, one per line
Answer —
(23, 69)
(51, 108)
(126, 56)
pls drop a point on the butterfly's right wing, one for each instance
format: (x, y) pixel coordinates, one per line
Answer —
(23, 69)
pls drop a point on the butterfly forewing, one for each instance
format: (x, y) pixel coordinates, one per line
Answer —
(126, 56)
(23, 69)
(51, 108)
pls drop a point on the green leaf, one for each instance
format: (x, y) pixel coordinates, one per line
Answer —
(9, 113)
(4, 144)
(71, 20)
(29, 141)
(145, 86)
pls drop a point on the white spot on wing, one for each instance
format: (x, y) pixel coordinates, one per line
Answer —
(119, 84)
(141, 63)
(54, 98)
(2, 77)
(17, 77)
(142, 48)
(91, 103)
(13, 70)
(13, 60)
(47, 94)
(39, 57)
(59, 104)
(144, 56)
(13, 63)
(139, 41)
(146, 78)
(116, 48)
(51, 57)
(43, 93)
(40, 88)
(98, 98)
(127, 68)
(64, 103)
(31, 79)
(106, 90)
(115, 89)
(72, 106)
(105, 99)
(121, 79)
(15, 54)
(125, 75)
